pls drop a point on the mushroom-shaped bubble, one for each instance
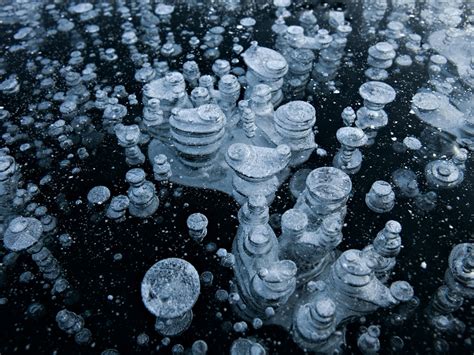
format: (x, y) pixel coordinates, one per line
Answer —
(98, 195)
(169, 290)
(22, 233)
